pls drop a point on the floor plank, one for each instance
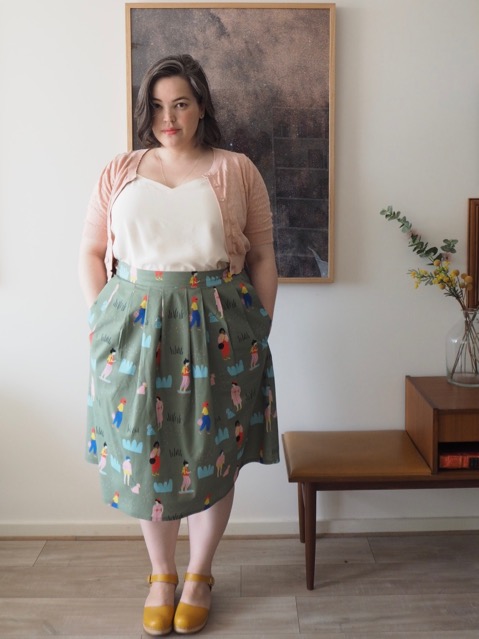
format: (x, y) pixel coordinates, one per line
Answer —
(97, 581)
(362, 579)
(19, 553)
(454, 547)
(258, 552)
(386, 613)
(79, 616)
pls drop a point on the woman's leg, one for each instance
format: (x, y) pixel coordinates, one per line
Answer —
(205, 531)
(160, 539)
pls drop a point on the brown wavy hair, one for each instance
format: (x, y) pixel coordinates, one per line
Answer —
(208, 132)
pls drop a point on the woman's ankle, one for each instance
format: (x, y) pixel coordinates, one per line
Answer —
(196, 594)
(161, 594)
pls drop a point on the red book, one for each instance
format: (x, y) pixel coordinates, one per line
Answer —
(459, 460)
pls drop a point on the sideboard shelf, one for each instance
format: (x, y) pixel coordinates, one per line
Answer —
(438, 415)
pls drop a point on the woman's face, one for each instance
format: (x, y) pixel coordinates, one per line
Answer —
(176, 113)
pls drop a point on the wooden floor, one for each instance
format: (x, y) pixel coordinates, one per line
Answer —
(378, 587)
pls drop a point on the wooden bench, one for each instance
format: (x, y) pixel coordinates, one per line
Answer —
(354, 460)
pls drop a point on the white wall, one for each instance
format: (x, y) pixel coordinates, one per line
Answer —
(407, 132)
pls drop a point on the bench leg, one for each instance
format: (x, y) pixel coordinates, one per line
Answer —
(309, 492)
(301, 511)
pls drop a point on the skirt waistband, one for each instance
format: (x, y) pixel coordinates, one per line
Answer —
(175, 279)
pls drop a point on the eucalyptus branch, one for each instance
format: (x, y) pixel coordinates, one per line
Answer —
(422, 249)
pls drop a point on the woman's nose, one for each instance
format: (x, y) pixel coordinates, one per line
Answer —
(169, 115)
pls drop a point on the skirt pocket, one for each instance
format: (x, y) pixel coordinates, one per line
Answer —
(255, 314)
(101, 302)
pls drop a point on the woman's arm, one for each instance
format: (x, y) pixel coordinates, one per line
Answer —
(264, 275)
(94, 242)
(91, 268)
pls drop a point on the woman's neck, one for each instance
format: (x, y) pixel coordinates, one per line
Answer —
(181, 155)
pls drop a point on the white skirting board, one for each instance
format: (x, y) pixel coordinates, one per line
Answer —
(245, 528)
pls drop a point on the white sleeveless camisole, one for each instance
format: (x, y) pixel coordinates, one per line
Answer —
(159, 228)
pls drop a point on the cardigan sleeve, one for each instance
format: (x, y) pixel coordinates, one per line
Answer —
(259, 218)
(96, 221)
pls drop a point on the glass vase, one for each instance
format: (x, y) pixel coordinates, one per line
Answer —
(462, 350)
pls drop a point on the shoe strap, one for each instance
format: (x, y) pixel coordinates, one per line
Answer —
(167, 579)
(191, 576)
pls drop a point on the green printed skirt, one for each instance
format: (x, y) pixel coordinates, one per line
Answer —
(181, 391)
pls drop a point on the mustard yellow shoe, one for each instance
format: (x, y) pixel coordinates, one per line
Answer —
(189, 619)
(158, 620)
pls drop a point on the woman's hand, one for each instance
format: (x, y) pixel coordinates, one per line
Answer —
(264, 275)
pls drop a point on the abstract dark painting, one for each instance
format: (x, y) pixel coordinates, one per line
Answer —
(271, 71)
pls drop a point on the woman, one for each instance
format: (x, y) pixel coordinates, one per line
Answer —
(178, 245)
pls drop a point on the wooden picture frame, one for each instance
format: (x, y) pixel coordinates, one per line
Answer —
(271, 71)
(473, 251)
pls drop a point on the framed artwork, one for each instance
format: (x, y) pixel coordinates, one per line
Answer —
(473, 251)
(271, 73)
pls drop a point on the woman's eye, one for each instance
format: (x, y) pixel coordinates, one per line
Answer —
(155, 106)
(182, 105)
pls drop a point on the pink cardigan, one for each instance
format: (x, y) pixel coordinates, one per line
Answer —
(237, 183)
